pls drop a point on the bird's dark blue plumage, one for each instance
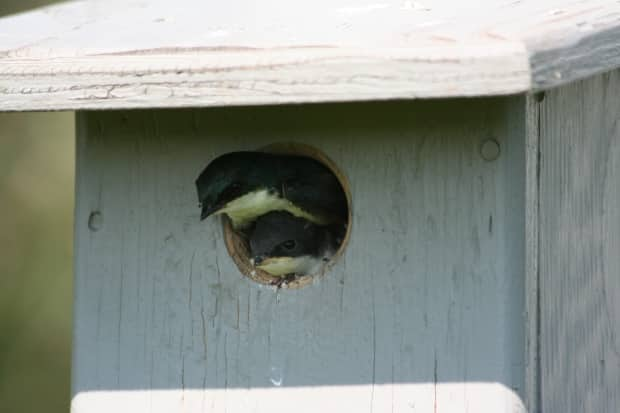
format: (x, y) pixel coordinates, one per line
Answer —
(246, 185)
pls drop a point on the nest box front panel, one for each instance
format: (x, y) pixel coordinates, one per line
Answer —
(422, 310)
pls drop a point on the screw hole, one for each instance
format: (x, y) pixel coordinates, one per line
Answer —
(489, 150)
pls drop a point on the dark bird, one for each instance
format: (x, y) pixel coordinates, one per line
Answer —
(246, 185)
(283, 244)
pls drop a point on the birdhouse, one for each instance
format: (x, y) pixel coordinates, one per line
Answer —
(478, 149)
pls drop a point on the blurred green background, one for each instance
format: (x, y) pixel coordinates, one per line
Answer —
(36, 225)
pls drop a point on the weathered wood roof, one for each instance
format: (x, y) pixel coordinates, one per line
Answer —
(96, 54)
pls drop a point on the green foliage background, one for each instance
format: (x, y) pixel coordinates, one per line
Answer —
(36, 225)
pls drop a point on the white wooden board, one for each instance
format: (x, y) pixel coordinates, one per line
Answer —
(424, 312)
(94, 54)
(580, 247)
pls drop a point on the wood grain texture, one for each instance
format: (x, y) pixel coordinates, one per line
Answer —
(580, 246)
(116, 54)
(423, 312)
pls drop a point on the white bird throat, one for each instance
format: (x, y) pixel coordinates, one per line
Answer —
(245, 209)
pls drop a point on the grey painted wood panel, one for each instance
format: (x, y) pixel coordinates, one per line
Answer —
(424, 312)
(580, 246)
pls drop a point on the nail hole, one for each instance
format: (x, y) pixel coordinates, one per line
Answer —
(95, 220)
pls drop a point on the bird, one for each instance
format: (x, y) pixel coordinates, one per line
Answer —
(282, 244)
(245, 185)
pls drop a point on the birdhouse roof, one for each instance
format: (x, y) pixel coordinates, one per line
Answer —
(96, 54)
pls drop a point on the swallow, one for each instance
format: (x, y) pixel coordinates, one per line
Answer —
(282, 244)
(246, 185)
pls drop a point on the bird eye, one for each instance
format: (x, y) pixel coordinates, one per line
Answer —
(289, 245)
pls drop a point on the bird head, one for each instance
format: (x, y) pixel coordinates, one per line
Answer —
(283, 244)
(232, 177)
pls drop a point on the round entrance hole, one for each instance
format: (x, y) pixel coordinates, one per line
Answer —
(237, 244)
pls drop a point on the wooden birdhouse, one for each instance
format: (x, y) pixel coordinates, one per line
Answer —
(479, 148)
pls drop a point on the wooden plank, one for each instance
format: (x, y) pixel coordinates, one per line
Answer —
(579, 246)
(114, 54)
(424, 311)
(532, 233)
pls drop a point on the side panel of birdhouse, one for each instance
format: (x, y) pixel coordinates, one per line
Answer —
(424, 311)
(580, 246)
